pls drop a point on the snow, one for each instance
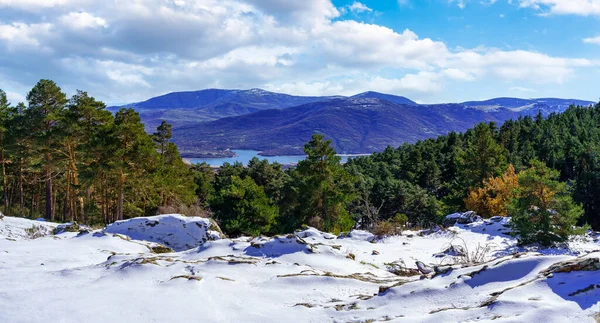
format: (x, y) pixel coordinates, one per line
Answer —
(309, 276)
(172, 230)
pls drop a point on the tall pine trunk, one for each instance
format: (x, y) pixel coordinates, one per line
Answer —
(21, 197)
(4, 180)
(121, 196)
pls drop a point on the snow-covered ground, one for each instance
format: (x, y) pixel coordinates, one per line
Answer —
(109, 276)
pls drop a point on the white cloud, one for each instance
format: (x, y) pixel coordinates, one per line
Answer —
(564, 7)
(592, 40)
(23, 35)
(521, 89)
(359, 7)
(82, 20)
(460, 3)
(38, 5)
(14, 98)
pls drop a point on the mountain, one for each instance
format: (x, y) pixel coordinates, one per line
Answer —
(387, 97)
(356, 125)
(545, 105)
(214, 120)
(180, 108)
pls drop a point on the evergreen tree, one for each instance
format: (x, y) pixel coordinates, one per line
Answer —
(483, 156)
(542, 211)
(46, 102)
(325, 190)
(242, 207)
(133, 154)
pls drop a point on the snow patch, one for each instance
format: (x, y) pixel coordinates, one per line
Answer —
(175, 231)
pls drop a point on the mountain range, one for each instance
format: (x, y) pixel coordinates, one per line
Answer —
(214, 120)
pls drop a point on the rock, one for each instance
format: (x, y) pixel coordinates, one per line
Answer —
(461, 218)
(399, 268)
(159, 248)
(453, 251)
(496, 218)
(83, 232)
(66, 227)
(585, 264)
(440, 271)
(375, 253)
(351, 256)
(423, 268)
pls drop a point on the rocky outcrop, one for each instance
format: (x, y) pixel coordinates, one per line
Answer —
(66, 227)
(461, 218)
(580, 264)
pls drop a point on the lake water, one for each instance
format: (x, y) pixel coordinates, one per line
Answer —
(244, 156)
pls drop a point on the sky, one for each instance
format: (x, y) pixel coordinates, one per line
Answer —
(431, 51)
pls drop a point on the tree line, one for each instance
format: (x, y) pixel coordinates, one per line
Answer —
(70, 159)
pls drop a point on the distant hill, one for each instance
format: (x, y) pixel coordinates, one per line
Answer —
(180, 108)
(392, 98)
(355, 125)
(546, 105)
(214, 120)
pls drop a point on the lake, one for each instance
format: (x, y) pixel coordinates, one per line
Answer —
(244, 156)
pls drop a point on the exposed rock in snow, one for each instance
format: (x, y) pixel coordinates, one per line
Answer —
(453, 251)
(175, 231)
(580, 264)
(66, 227)
(423, 268)
(461, 218)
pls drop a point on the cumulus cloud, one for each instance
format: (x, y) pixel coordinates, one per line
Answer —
(129, 50)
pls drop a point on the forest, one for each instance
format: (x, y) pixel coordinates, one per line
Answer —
(69, 159)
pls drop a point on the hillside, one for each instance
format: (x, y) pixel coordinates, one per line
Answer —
(188, 108)
(206, 105)
(546, 105)
(356, 125)
(312, 275)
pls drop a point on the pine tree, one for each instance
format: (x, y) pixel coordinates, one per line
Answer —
(483, 156)
(326, 188)
(543, 211)
(242, 207)
(46, 102)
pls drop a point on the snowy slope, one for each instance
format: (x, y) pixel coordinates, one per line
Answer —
(309, 276)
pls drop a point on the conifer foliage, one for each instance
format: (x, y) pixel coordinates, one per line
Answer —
(72, 160)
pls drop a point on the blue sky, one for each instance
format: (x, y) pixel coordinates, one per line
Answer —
(430, 50)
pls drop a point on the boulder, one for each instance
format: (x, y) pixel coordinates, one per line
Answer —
(66, 227)
(423, 268)
(461, 218)
(400, 269)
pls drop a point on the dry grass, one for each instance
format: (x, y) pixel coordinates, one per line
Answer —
(37, 231)
(385, 228)
(468, 257)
